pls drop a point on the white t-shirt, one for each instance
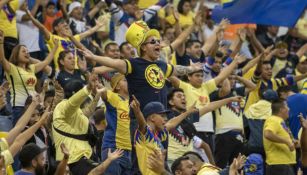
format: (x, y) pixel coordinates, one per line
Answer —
(27, 32)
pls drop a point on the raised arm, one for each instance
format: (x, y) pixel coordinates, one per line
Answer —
(95, 10)
(3, 2)
(212, 40)
(300, 77)
(26, 17)
(229, 69)
(172, 123)
(39, 25)
(153, 10)
(23, 121)
(100, 169)
(4, 62)
(135, 105)
(61, 168)
(92, 30)
(301, 51)
(102, 69)
(41, 65)
(217, 104)
(236, 45)
(27, 134)
(117, 64)
(249, 85)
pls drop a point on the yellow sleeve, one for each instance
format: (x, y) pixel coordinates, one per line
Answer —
(77, 37)
(183, 85)
(14, 5)
(210, 85)
(112, 98)
(271, 124)
(8, 157)
(248, 75)
(169, 70)
(129, 67)
(3, 144)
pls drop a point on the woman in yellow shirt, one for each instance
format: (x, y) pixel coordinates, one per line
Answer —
(20, 73)
(185, 13)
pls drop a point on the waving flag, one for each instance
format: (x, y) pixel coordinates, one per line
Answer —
(267, 12)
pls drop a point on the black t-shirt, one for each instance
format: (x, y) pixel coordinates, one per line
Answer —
(64, 77)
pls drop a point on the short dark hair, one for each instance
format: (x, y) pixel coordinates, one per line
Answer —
(266, 62)
(50, 93)
(50, 3)
(72, 87)
(171, 94)
(180, 5)
(107, 46)
(121, 46)
(190, 43)
(99, 115)
(57, 22)
(194, 154)
(177, 163)
(277, 105)
(283, 89)
(62, 55)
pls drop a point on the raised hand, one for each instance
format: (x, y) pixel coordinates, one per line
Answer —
(237, 163)
(64, 150)
(240, 58)
(242, 34)
(115, 155)
(195, 66)
(223, 24)
(5, 87)
(156, 162)
(139, 14)
(135, 104)
(87, 53)
(101, 23)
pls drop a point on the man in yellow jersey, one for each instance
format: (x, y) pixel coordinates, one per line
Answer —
(117, 132)
(152, 133)
(278, 143)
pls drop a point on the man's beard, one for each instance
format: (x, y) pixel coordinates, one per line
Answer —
(40, 170)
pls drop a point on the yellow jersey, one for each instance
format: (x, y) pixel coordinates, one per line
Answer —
(64, 44)
(278, 153)
(145, 144)
(117, 132)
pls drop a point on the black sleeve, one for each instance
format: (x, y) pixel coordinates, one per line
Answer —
(214, 96)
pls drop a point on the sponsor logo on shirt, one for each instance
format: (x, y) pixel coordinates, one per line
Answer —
(30, 82)
(124, 116)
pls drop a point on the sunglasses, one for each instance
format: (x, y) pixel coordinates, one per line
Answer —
(153, 41)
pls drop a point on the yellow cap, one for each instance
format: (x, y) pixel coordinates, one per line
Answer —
(138, 32)
(116, 79)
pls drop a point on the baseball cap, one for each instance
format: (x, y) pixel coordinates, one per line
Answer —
(29, 152)
(138, 32)
(73, 5)
(270, 95)
(154, 108)
(116, 79)
(254, 165)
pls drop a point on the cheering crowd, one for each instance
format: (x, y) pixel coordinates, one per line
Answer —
(152, 87)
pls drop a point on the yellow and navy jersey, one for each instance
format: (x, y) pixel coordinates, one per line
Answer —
(117, 133)
(262, 85)
(8, 18)
(146, 80)
(145, 144)
(304, 90)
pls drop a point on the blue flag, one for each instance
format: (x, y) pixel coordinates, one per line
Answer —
(267, 12)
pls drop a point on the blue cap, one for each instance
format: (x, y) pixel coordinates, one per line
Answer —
(154, 108)
(270, 95)
(254, 165)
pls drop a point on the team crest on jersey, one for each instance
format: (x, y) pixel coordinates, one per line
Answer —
(154, 76)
